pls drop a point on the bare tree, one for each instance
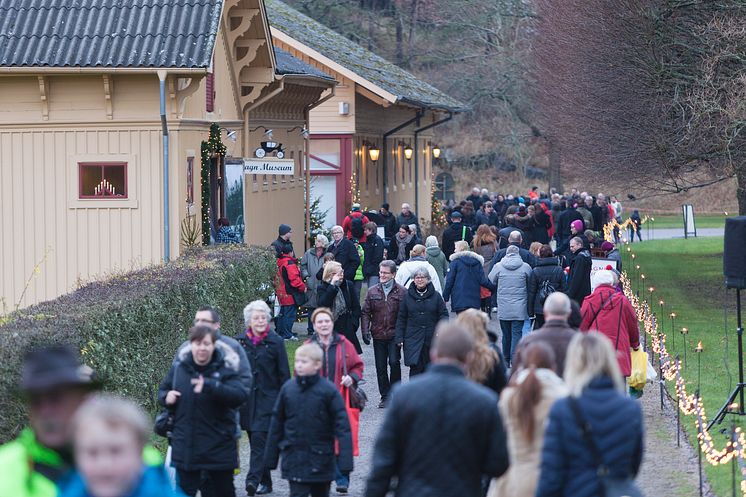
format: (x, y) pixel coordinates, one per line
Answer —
(645, 93)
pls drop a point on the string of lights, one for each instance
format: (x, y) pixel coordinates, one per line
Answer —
(688, 404)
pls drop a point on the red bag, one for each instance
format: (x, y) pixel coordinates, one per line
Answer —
(354, 416)
(484, 292)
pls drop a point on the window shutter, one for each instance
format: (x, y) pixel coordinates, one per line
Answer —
(210, 86)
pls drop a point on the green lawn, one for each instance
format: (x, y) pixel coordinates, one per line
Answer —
(688, 276)
(677, 220)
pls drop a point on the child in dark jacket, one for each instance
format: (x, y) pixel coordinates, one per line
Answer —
(308, 416)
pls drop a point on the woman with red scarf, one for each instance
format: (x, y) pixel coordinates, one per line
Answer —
(269, 365)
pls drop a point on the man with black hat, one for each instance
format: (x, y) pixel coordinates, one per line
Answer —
(455, 232)
(389, 223)
(283, 240)
(55, 383)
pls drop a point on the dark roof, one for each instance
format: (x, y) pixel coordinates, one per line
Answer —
(384, 74)
(108, 33)
(289, 65)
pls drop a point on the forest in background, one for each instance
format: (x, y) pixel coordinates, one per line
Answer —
(648, 95)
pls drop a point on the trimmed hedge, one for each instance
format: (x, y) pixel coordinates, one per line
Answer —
(128, 327)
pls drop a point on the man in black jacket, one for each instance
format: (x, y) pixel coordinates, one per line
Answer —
(442, 432)
(579, 280)
(344, 252)
(390, 224)
(569, 215)
(283, 240)
(455, 232)
(373, 250)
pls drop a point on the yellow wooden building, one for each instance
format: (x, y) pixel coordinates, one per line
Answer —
(103, 109)
(378, 111)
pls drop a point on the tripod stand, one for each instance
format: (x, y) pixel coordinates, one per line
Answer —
(739, 390)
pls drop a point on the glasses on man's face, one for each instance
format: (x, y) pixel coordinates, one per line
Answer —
(420, 277)
(383, 273)
(201, 321)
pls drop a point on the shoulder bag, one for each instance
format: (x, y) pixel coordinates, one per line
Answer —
(610, 486)
(164, 421)
(300, 298)
(358, 397)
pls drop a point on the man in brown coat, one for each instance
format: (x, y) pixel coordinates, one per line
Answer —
(556, 332)
(380, 311)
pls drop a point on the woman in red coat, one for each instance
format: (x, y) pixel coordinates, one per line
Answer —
(341, 365)
(609, 312)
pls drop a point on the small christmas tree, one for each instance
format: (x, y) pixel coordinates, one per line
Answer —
(317, 219)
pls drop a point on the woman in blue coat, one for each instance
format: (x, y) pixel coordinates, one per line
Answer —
(568, 465)
(464, 279)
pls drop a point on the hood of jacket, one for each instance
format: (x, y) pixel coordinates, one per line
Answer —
(547, 261)
(512, 261)
(230, 357)
(433, 251)
(468, 258)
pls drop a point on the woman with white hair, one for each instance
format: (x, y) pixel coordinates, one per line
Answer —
(608, 311)
(594, 437)
(269, 363)
(419, 312)
(417, 260)
(310, 264)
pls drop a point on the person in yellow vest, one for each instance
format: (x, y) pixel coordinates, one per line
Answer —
(55, 383)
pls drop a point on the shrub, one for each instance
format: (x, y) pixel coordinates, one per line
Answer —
(129, 327)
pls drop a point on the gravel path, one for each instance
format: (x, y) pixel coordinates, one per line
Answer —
(370, 422)
(666, 469)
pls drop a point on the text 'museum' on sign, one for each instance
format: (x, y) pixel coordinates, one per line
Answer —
(270, 166)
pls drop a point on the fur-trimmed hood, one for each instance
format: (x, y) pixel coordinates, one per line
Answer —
(230, 357)
(467, 253)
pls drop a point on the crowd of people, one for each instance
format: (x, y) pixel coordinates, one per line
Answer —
(544, 410)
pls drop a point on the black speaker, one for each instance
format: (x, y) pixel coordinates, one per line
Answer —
(734, 252)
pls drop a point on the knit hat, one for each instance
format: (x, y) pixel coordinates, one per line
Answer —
(431, 241)
(355, 207)
(285, 229)
(455, 215)
(577, 225)
(607, 245)
(385, 205)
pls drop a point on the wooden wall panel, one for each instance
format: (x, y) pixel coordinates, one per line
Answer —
(81, 243)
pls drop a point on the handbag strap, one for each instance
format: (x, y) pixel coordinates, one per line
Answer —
(603, 304)
(587, 432)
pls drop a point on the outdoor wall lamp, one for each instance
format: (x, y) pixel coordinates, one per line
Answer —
(436, 151)
(408, 151)
(231, 134)
(373, 151)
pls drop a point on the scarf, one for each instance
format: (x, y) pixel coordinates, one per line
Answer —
(254, 338)
(402, 245)
(340, 305)
(387, 287)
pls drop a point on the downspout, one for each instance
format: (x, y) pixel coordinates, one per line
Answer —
(385, 154)
(164, 126)
(307, 154)
(416, 156)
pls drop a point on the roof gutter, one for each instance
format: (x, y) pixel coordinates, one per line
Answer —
(162, 75)
(416, 156)
(103, 70)
(384, 148)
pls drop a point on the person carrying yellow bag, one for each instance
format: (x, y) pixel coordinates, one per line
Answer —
(639, 375)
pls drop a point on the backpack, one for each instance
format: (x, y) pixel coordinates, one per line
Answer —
(545, 290)
(356, 227)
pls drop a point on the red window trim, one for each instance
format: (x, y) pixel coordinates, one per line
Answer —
(103, 165)
(210, 92)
